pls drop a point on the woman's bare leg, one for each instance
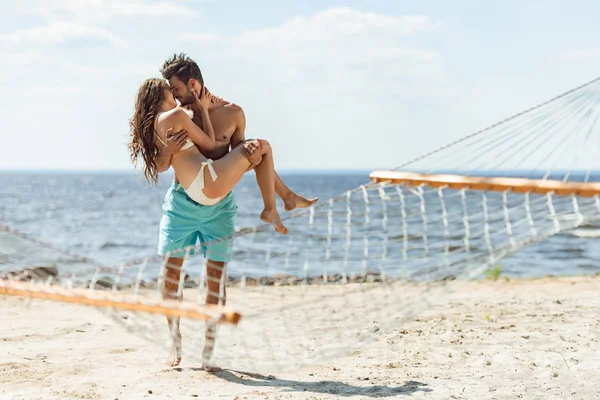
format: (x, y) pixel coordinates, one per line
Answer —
(170, 290)
(290, 199)
(230, 170)
(265, 177)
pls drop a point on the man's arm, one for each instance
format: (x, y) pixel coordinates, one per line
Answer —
(239, 135)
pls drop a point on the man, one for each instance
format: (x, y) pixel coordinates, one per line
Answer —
(185, 222)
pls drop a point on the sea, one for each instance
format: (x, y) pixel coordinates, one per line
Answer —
(113, 217)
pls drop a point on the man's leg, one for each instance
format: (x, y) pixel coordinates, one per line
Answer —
(178, 234)
(214, 286)
(217, 236)
(170, 290)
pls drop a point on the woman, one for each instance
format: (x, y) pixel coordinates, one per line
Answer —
(205, 181)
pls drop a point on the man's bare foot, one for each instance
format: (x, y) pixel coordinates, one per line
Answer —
(293, 201)
(210, 368)
(207, 355)
(272, 217)
(174, 357)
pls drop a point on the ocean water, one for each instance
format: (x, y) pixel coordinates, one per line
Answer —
(113, 217)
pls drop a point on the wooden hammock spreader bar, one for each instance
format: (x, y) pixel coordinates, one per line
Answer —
(517, 185)
(96, 298)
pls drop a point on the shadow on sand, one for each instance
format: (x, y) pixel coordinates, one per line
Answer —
(329, 387)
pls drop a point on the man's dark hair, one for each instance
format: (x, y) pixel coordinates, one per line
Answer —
(183, 67)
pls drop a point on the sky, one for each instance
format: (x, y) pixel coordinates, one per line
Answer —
(332, 85)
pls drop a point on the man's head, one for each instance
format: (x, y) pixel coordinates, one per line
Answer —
(183, 75)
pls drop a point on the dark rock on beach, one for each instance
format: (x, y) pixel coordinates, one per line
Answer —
(36, 274)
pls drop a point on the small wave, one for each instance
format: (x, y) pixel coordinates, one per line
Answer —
(589, 267)
(248, 214)
(589, 225)
(112, 245)
(586, 233)
(571, 250)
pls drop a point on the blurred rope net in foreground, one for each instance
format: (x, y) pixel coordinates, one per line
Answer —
(355, 267)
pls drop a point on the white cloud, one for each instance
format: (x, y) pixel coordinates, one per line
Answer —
(96, 10)
(334, 47)
(329, 25)
(339, 77)
(54, 68)
(592, 54)
(25, 58)
(60, 32)
(63, 90)
(68, 20)
(201, 38)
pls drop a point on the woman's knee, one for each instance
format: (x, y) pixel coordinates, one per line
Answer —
(265, 146)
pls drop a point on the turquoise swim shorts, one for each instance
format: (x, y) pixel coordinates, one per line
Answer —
(185, 223)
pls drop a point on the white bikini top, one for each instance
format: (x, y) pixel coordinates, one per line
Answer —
(187, 145)
(188, 142)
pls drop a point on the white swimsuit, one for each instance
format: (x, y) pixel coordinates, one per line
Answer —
(196, 189)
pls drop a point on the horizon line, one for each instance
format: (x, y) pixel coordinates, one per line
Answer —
(106, 170)
(331, 171)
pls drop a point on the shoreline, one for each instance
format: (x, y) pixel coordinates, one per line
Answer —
(43, 273)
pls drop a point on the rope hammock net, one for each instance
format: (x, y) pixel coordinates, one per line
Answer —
(360, 264)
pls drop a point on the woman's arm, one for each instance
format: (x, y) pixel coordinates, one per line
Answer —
(180, 119)
(202, 103)
(208, 127)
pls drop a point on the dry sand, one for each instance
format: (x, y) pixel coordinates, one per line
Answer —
(485, 340)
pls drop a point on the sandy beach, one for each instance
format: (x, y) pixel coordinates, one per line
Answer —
(530, 339)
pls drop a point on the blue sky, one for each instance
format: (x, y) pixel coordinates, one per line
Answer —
(333, 85)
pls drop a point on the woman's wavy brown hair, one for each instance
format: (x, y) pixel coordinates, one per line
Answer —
(141, 142)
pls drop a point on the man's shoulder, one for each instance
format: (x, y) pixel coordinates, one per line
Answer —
(230, 111)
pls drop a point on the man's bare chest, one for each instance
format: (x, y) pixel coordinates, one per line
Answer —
(223, 125)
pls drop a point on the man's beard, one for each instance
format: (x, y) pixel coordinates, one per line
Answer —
(188, 99)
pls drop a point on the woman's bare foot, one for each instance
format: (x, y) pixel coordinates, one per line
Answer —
(293, 201)
(271, 216)
(174, 357)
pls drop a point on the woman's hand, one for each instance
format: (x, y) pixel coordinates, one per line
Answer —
(203, 102)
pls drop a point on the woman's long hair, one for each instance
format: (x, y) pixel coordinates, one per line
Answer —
(141, 142)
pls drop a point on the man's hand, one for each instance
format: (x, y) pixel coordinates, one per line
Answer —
(175, 141)
(252, 152)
